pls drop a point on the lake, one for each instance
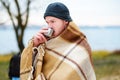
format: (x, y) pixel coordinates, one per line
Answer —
(99, 38)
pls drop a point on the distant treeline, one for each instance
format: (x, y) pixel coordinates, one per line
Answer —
(81, 27)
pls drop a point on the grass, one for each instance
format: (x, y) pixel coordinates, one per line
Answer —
(4, 64)
(4, 71)
(106, 65)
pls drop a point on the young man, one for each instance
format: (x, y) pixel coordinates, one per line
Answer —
(65, 55)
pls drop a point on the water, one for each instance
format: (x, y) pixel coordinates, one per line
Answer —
(99, 38)
(103, 38)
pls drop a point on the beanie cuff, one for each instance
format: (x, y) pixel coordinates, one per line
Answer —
(67, 18)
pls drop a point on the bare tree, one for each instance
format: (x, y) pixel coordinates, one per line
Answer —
(19, 18)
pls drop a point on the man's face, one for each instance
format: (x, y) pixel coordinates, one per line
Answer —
(58, 25)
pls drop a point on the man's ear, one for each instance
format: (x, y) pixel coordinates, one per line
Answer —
(66, 22)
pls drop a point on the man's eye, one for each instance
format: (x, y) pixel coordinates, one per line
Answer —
(52, 21)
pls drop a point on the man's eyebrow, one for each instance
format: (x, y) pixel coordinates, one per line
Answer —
(51, 20)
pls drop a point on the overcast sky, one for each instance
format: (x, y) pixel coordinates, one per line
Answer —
(91, 12)
(86, 12)
(95, 12)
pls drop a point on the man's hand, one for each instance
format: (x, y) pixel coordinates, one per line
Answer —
(39, 37)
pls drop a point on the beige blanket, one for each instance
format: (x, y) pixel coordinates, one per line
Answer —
(66, 57)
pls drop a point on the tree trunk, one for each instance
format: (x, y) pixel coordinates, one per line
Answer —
(21, 46)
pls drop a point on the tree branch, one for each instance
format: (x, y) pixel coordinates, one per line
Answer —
(19, 17)
(7, 7)
(27, 11)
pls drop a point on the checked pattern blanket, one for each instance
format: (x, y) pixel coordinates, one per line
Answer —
(66, 57)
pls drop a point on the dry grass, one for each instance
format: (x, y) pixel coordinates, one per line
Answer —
(5, 58)
(107, 65)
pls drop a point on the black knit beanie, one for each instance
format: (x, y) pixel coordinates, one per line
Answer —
(58, 10)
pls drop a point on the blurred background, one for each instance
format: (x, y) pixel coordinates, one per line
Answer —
(99, 20)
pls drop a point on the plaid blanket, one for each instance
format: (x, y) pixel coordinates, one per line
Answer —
(67, 57)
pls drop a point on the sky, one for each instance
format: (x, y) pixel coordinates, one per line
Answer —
(95, 12)
(84, 12)
(89, 12)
